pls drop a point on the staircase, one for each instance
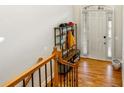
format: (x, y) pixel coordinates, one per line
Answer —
(46, 73)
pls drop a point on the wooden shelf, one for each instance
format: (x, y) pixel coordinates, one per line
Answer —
(71, 53)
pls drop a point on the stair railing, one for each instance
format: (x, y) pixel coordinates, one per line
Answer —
(52, 78)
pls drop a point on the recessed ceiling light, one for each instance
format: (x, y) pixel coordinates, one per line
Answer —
(2, 39)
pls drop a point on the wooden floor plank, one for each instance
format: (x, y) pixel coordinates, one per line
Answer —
(96, 73)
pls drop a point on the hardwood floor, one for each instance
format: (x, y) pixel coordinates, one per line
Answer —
(96, 73)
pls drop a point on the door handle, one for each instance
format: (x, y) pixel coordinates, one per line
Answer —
(104, 37)
(104, 43)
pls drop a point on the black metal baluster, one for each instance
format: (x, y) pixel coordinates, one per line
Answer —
(67, 76)
(46, 74)
(72, 77)
(60, 75)
(76, 76)
(24, 85)
(64, 75)
(32, 78)
(51, 73)
(39, 77)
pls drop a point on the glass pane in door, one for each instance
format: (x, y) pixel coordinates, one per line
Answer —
(109, 39)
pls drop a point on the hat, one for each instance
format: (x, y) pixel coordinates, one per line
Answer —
(70, 24)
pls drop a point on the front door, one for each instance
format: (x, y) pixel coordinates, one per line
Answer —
(97, 29)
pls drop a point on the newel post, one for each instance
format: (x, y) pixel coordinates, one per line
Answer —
(56, 80)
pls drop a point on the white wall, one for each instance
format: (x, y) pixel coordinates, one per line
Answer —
(28, 32)
(117, 28)
(118, 31)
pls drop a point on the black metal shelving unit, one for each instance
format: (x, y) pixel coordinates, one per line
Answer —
(60, 39)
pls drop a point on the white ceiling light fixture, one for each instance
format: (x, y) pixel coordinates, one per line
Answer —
(2, 39)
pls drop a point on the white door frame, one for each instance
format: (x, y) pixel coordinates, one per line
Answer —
(113, 37)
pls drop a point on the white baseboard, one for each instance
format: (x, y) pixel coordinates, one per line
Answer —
(94, 58)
